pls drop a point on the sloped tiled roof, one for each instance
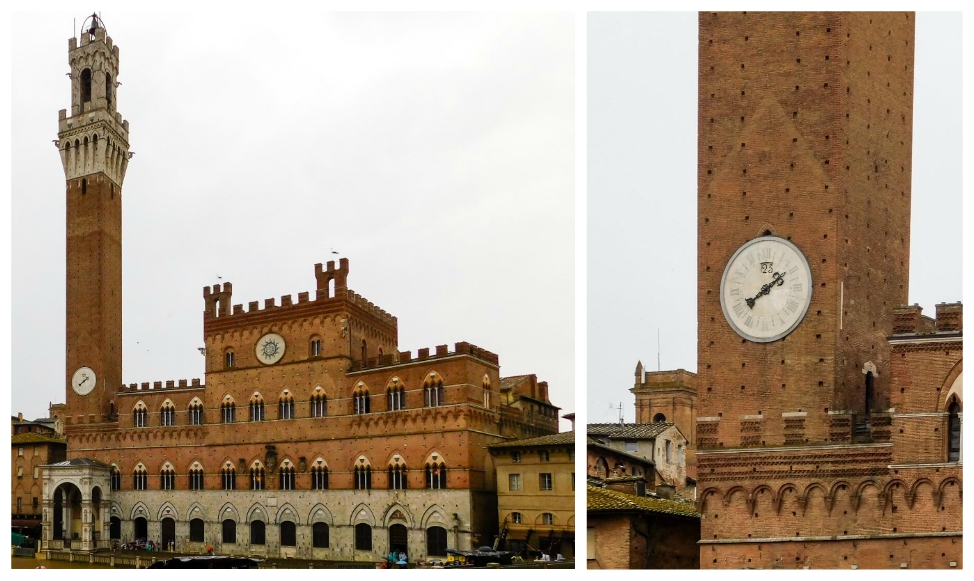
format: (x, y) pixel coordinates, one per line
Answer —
(81, 462)
(31, 438)
(549, 440)
(604, 500)
(512, 381)
(630, 431)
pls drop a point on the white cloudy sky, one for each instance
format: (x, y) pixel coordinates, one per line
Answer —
(642, 103)
(433, 150)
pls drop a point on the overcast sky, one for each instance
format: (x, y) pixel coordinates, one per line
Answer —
(642, 191)
(433, 150)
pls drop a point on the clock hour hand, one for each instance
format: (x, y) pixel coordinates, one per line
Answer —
(778, 279)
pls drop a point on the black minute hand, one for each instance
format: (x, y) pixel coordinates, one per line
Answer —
(778, 279)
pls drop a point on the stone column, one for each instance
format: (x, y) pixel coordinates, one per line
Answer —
(87, 525)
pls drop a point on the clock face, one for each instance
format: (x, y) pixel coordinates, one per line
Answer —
(766, 289)
(270, 348)
(83, 381)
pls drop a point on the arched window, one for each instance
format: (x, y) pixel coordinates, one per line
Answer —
(363, 478)
(257, 532)
(363, 537)
(85, 87)
(256, 408)
(115, 529)
(257, 478)
(436, 475)
(319, 478)
(286, 411)
(362, 401)
(433, 394)
(196, 413)
(436, 542)
(229, 361)
(659, 418)
(229, 532)
(140, 415)
(954, 432)
(116, 483)
(168, 414)
(319, 405)
(316, 347)
(228, 411)
(286, 480)
(397, 398)
(167, 478)
(196, 530)
(397, 477)
(229, 476)
(601, 468)
(140, 478)
(288, 534)
(196, 478)
(365, 352)
(108, 89)
(319, 535)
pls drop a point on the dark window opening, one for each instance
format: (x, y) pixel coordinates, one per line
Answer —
(319, 535)
(86, 86)
(363, 537)
(954, 433)
(257, 533)
(288, 534)
(196, 530)
(229, 532)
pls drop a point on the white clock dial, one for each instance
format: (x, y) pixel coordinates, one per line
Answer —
(766, 289)
(83, 381)
(270, 348)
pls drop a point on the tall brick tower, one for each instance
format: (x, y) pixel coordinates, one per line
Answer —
(93, 143)
(804, 172)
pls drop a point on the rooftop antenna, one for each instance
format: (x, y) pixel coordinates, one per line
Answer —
(621, 412)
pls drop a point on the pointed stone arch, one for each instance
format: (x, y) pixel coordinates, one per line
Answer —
(195, 510)
(116, 510)
(287, 512)
(435, 515)
(167, 510)
(257, 511)
(320, 513)
(361, 514)
(139, 509)
(397, 513)
(228, 511)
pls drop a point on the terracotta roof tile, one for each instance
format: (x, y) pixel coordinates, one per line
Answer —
(603, 500)
(549, 440)
(632, 431)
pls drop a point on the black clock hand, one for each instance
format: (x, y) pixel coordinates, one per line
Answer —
(778, 280)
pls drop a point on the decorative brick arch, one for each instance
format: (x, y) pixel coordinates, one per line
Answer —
(915, 487)
(952, 386)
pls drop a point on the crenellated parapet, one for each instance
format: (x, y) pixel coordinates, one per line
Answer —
(325, 277)
(424, 354)
(168, 385)
(217, 301)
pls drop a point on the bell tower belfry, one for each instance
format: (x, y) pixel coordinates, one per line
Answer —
(94, 148)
